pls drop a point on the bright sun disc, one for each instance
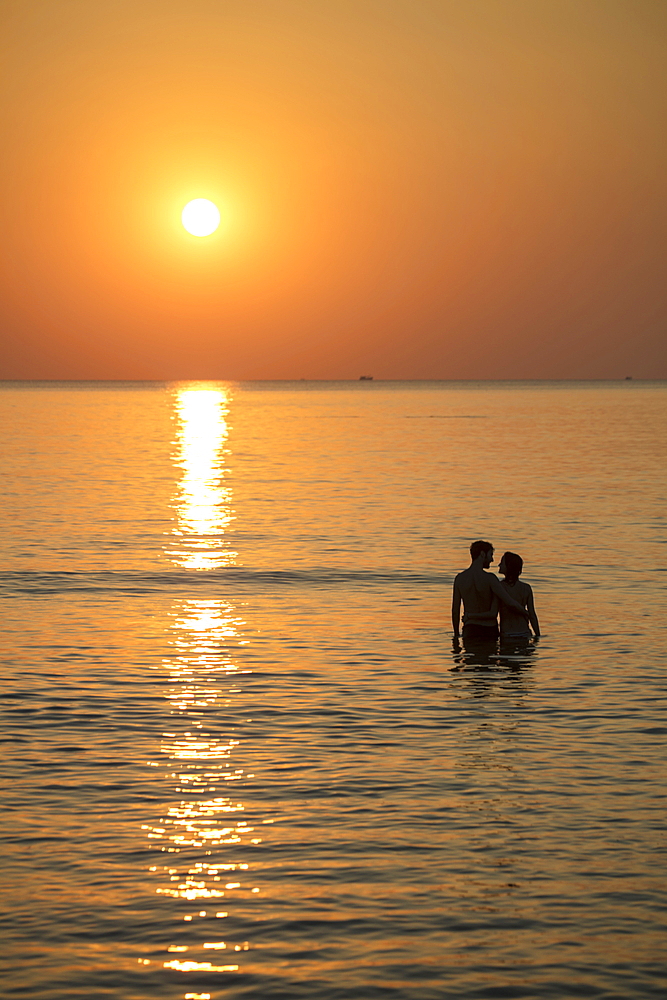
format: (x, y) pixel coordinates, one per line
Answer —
(200, 217)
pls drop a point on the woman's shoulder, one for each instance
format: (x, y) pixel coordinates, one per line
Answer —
(519, 588)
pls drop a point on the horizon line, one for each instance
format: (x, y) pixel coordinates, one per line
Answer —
(617, 378)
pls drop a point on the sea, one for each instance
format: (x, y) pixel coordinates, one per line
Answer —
(243, 755)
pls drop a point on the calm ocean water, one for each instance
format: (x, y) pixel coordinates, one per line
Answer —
(243, 758)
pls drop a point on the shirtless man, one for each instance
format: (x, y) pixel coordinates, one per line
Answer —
(477, 589)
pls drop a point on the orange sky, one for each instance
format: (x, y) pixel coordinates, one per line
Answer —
(409, 188)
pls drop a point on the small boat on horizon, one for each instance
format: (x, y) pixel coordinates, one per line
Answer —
(365, 378)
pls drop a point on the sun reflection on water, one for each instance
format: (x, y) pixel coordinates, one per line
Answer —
(202, 827)
(203, 500)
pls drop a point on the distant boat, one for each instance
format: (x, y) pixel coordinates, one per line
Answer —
(365, 378)
(628, 378)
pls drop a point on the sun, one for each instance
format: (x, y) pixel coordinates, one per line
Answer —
(200, 217)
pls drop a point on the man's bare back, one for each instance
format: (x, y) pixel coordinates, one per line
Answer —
(476, 593)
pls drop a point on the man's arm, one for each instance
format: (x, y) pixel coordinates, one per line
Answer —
(501, 593)
(456, 608)
(532, 617)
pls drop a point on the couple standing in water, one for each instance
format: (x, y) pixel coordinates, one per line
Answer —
(484, 596)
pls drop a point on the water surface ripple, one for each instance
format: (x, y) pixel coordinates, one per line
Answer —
(243, 757)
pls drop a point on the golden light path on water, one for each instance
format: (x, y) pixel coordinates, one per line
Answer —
(202, 819)
(207, 819)
(203, 501)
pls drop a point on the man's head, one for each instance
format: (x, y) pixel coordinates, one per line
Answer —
(482, 548)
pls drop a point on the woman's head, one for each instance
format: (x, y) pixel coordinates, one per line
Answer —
(511, 565)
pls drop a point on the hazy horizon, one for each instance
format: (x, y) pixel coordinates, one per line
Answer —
(352, 379)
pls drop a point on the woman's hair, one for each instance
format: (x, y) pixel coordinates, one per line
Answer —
(513, 565)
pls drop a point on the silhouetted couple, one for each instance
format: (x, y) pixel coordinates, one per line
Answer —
(484, 596)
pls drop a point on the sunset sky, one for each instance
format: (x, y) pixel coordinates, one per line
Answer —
(408, 188)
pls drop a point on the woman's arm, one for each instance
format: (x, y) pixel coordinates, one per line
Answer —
(532, 617)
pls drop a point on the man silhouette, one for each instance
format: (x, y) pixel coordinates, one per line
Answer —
(476, 588)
